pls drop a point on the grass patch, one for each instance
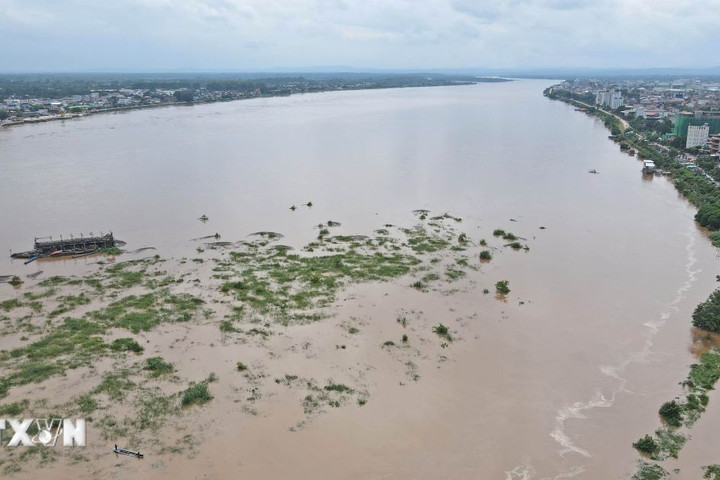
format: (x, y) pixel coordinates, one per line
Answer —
(712, 472)
(126, 344)
(151, 407)
(8, 305)
(442, 331)
(87, 404)
(196, 394)
(338, 387)
(502, 287)
(418, 285)
(68, 303)
(157, 366)
(649, 471)
(431, 277)
(454, 274)
(115, 384)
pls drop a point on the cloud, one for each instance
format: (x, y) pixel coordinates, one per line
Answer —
(246, 34)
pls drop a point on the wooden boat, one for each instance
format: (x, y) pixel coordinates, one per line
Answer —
(130, 453)
(72, 246)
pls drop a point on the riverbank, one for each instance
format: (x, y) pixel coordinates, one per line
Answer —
(680, 414)
(230, 96)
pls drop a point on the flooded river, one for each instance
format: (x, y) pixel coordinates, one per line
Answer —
(556, 383)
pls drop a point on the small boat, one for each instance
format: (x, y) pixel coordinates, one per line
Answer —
(31, 259)
(29, 254)
(130, 453)
(593, 171)
(56, 253)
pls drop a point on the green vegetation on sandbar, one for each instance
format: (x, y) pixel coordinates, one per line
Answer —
(283, 285)
(502, 287)
(649, 471)
(197, 393)
(712, 472)
(442, 331)
(78, 341)
(126, 345)
(158, 367)
(667, 442)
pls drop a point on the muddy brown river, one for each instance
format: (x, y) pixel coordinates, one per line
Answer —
(557, 382)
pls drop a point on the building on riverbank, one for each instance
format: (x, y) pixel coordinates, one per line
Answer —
(697, 135)
(684, 120)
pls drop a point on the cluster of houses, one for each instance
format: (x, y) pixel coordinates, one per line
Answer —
(693, 105)
(24, 109)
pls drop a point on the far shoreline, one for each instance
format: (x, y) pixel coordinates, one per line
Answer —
(77, 116)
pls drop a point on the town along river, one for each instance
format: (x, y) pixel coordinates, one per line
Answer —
(556, 382)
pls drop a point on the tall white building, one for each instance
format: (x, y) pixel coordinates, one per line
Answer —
(697, 135)
(616, 100)
(602, 97)
(609, 98)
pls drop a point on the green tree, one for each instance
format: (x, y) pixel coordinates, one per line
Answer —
(671, 412)
(709, 216)
(646, 444)
(184, 95)
(707, 315)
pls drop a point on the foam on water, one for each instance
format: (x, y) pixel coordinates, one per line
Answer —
(578, 410)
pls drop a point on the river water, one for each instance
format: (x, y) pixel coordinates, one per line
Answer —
(558, 387)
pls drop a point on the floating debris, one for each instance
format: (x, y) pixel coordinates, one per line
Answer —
(293, 208)
(33, 276)
(143, 249)
(219, 244)
(308, 204)
(217, 235)
(421, 212)
(446, 216)
(204, 218)
(5, 278)
(283, 248)
(331, 223)
(270, 235)
(348, 238)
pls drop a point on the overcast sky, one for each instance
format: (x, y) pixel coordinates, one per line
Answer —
(76, 35)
